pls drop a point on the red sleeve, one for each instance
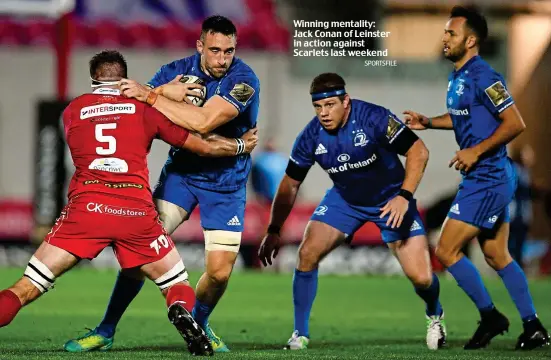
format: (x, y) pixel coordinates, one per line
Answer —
(164, 129)
(67, 120)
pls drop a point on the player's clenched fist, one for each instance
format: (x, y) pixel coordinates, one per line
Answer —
(270, 245)
(251, 140)
(133, 89)
(415, 121)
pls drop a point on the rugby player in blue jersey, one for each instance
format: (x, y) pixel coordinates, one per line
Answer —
(484, 117)
(358, 144)
(187, 180)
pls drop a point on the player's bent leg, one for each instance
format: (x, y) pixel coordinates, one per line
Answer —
(414, 258)
(319, 240)
(221, 248)
(47, 263)
(496, 252)
(171, 215)
(455, 234)
(170, 275)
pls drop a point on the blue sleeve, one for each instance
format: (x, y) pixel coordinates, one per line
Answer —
(163, 76)
(303, 149)
(239, 90)
(491, 91)
(386, 126)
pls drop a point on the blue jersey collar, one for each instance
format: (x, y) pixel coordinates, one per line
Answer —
(467, 65)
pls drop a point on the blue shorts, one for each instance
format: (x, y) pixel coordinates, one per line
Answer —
(334, 211)
(219, 210)
(483, 205)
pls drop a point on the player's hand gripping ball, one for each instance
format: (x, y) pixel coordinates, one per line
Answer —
(202, 92)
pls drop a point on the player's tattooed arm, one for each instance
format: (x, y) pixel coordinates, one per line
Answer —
(417, 121)
(214, 145)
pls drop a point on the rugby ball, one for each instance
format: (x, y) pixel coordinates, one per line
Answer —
(191, 79)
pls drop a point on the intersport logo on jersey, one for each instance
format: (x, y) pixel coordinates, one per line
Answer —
(114, 210)
(106, 109)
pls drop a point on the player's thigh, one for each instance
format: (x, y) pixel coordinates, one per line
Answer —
(167, 270)
(494, 245)
(140, 239)
(55, 259)
(413, 255)
(178, 199)
(455, 234)
(412, 224)
(171, 215)
(84, 227)
(319, 240)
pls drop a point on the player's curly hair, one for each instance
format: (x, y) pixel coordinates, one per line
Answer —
(108, 64)
(475, 21)
(218, 24)
(327, 82)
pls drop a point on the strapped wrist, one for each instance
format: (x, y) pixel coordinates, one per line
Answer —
(273, 229)
(240, 146)
(408, 195)
(151, 97)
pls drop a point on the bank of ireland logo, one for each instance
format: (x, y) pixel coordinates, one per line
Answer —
(450, 101)
(460, 87)
(321, 210)
(343, 157)
(360, 139)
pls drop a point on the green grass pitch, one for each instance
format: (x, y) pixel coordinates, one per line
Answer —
(354, 317)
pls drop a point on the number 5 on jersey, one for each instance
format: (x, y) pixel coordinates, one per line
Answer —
(110, 140)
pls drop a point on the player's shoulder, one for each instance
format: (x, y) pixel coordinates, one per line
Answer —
(366, 111)
(481, 72)
(180, 66)
(240, 69)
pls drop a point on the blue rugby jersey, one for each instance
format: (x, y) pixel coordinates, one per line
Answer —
(477, 94)
(357, 157)
(241, 88)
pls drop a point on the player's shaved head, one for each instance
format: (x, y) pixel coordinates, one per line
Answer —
(475, 22)
(108, 65)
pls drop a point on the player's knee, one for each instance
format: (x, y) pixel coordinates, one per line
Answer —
(220, 275)
(498, 261)
(445, 255)
(308, 258)
(178, 274)
(39, 275)
(421, 280)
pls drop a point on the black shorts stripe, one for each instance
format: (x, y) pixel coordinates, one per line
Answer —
(172, 278)
(34, 281)
(215, 243)
(40, 273)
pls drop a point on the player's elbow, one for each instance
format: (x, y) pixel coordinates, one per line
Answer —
(419, 151)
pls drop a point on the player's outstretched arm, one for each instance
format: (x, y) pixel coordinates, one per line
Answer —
(214, 145)
(281, 208)
(417, 121)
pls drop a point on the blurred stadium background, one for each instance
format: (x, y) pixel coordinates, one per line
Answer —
(45, 46)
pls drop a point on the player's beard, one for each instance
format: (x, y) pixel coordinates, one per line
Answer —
(457, 53)
(217, 72)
